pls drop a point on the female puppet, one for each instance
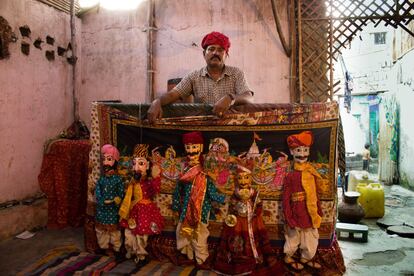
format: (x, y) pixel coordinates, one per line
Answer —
(244, 247)
(140, 216)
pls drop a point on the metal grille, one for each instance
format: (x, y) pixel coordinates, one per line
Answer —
(326, 27)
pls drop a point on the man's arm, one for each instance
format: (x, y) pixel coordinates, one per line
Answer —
(181, 92)
(224, 104)
(242, 94)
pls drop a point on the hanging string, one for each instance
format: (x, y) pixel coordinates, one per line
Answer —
(140, 123)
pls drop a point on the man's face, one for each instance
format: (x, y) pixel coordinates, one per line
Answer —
(244, 179)
(215, 55)
(300, 154)
(140, 165)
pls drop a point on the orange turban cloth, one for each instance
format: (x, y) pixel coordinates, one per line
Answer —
(216, 38)
(303, 139)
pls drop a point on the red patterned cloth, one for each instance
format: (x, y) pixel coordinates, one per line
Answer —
(63, 178)
(147, 215)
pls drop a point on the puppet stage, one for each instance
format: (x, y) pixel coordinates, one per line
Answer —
(256, 132)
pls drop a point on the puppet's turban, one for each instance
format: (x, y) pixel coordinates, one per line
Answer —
(110, 150)
(303, 139)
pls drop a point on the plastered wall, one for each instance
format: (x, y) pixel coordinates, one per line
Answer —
(114, 51)
(36, 94)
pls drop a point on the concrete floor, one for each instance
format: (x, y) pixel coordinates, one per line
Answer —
(383, 254)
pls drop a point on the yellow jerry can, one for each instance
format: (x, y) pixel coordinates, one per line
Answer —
(372, 199)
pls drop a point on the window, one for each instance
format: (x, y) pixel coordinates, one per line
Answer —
(379, 38)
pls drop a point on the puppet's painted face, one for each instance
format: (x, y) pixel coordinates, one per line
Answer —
(300, 154)
(108, 162)
(193, 152)
(244, 179)
(219, 148)
(140, 165)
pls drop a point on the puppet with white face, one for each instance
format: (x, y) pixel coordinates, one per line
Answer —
(140, 215)
(109, 191)
(301, 207)
(192, 202)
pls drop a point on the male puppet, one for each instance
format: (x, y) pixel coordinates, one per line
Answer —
(192, 199)
(109, 192)
(301, 206)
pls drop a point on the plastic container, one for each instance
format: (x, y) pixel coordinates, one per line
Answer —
(356, 177)
(372, 199)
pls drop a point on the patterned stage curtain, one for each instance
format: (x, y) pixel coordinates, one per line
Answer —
(255, 130)
(63, 178)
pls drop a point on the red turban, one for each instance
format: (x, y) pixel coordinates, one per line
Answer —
(216, 38)
(303, 139)
(111, 150)
(194, 137)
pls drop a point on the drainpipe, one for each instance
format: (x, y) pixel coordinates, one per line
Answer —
(150, 51)
(73, 43)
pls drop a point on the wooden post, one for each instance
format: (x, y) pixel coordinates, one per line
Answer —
(331, 77)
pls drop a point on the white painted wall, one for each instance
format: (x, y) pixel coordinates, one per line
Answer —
(404, 84)
(381, 68)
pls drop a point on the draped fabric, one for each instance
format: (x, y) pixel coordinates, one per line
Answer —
(63, 178)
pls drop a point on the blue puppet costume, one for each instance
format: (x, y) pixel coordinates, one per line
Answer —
(109, 192)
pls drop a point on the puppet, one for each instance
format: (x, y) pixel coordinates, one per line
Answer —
(192, 202)
(301, 206)
(109, 192)
(244, 246)
(140, 215)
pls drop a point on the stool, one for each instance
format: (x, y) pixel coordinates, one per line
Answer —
(351, 229)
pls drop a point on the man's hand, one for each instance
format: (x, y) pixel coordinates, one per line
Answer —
(155, 111)
(222, 106)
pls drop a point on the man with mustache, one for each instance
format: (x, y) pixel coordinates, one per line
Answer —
(109, 192)
(217, 83)
(301, 207)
